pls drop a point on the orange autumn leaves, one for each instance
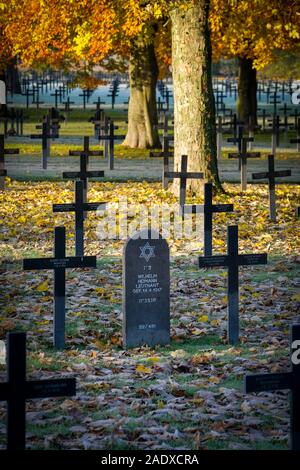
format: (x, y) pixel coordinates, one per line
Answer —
(254, 29)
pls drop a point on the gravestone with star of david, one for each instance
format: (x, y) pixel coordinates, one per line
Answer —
(146, 290)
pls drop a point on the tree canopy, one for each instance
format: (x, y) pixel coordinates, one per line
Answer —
(254, 29)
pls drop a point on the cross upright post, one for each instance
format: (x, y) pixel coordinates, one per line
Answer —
(243, 155)
(183, 175)
(110, 137)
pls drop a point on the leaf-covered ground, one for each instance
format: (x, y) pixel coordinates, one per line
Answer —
(188, 395)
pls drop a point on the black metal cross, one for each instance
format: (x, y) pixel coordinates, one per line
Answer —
(275, 129)
(270, 175)
(59, 263)
(208, 209)
(4, 151)
(238, 130)
(284, 381)
(17, 390)
(86, 150)
(111, 137)
(84, 174)
(67, 104)
(166, 153)
(232, 261)
(57, 94)
(264, 115)
(274, 100)
(48, 132)
(183, 175)
(28, 93)
(98, 103)
(85, 96)
(297, 140)
(79, 207)
(243, 155)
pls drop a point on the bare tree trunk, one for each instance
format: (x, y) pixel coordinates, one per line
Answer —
(194, 106)
(142, 112)
(247, 90)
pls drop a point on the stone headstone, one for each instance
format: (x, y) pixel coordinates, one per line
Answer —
(146, 290)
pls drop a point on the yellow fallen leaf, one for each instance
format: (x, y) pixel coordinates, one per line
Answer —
(21, 219)
(141, 369)
(214, 380)
(296, 297)
(178, 353)
(197, 332)
(153, 359)
(203, 318)
(215, 322)
(43, 287)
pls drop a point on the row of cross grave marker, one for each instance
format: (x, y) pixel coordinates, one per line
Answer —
(183, 175)
(146, 288)
(60, 262)
(238, 128)
(243, 155)
(105, 134)
(13, 121)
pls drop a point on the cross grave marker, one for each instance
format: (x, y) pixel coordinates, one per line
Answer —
(243, 155)
(270, 175)
(208, 209)
(48, 132)
(84, 173)
(17, 390)
(183, 176)
(79, 207)
(232, 261)
(283, 381)
(59, 263)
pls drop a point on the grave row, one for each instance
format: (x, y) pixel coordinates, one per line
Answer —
(146, 299)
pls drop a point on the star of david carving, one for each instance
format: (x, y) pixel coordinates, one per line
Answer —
(147, 252)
